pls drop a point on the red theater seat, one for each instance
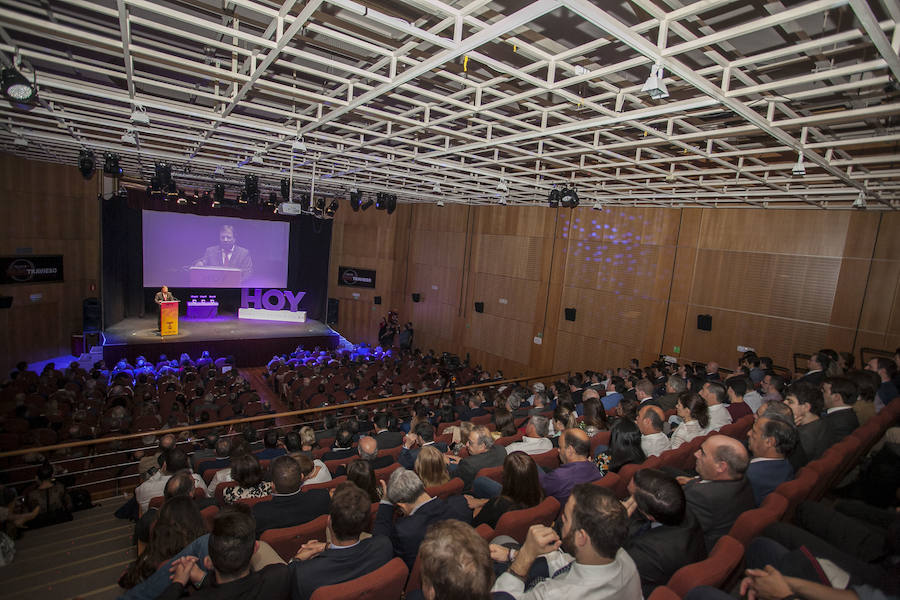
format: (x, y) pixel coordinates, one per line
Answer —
(385, 583)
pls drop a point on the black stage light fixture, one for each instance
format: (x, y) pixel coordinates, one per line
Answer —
(391, 204)
(251, 189)
(16, 88)
(86, 163)
(332, 209)
(569, 198)
(218, 195)
(273, 199)
(319, 208)
(367, 204)
(304, 202)
(354, 200)
(286, 189)
(553, 198)
(163, 171)
(111, 164)
(380, 201)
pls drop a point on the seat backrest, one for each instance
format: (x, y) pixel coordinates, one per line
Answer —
(515, 523)
(609, 481)
(797, 490)
(751, 522)
(385, 472)
(385, 583)
(287, 540)
(506, 441)
(209, 513)
(725, 557)
(664, 592)
(495, 473)
(452, 487)
(548, 460)
(601, 438)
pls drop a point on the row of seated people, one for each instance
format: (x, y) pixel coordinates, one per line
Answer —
(767, 442)
(620, 549)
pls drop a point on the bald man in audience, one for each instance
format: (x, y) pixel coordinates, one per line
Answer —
(650, 421)
(720, 492)
(368, 450)
(576, 466)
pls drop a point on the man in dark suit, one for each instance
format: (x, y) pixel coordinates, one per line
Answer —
(368, 450)
(343, 446)
(482, 453)
(384, 437)
(227, 254)
(818, 364)
(840, 395)
(347, 556)
(161, 296)
(415, 441)
(289, 505)
(470, 409)
(406, 491)
(720, 493)
(770, 441)
(664, 536)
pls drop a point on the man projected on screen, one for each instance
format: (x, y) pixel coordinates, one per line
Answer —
(227, 254)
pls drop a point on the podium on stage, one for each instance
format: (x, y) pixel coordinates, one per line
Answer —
(215, 277)
(168, 318)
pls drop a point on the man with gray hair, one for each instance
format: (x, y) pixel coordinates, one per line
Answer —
(535, 440)
(419, 510)
(675, 385)
(482, 453)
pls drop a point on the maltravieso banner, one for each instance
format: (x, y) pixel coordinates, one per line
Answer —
(352, 277)
(31, 269)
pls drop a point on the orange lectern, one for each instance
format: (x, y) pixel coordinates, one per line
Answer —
(168, 318)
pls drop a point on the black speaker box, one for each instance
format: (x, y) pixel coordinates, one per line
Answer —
(704, 322)
(90, 313)
(479, 307)
(377, 299)
(416, 297)
(331, 315)
(570, 314)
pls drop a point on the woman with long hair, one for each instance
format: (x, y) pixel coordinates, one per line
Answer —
(563, 418)
(361, 473)
(693, 410)
(247, 472)
(50, 498)
(504, 422)
(521, 489)
(179, 523)
(430, 467)
(594, 415)
(624, 447)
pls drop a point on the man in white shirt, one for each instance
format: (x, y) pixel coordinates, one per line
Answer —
(588, 562)
(650, 421)
(176, 460)
(535, 440)
(714, 393)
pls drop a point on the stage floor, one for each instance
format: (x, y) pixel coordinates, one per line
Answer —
(252, 343)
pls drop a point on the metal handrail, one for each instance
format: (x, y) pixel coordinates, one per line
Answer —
(270, 416)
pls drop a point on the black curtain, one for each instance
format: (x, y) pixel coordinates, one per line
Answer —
(122, 268)
(123, 292)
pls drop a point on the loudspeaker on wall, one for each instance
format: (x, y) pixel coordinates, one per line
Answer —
(416, 297)
(479, 307)
(90, 315)
(377, 299)
(704, 322)
(331, 314)
(6, 301)
(570, 314)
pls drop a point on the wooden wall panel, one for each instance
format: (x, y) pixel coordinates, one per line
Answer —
(47, 209)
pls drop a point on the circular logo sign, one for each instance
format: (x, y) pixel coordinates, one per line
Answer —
(20, 270)
(349, 277)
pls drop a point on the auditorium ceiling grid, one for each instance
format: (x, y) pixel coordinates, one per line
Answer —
(473, 101)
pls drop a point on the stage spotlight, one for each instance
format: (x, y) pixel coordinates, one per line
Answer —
(440, 203)
(332, 208)
(129, 138)
(181, 197)
(251, 189)
(140, 115)
(799, 170)
(218, 195)
(367, 204)
(111, 164)
(502, 201)
(355, 197)
(319, 209)
(654, 84)
(305, 202)
(86, 163)
(569, 198)
(299, 145)
(195, 198)
(163, 172)
(16, 87)
(391, 204)
(860, 201)
(286, 189)
(553, 198)
(380, 201)
(503, 187)
(273, 199)
(597, 205)
(437, 188)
